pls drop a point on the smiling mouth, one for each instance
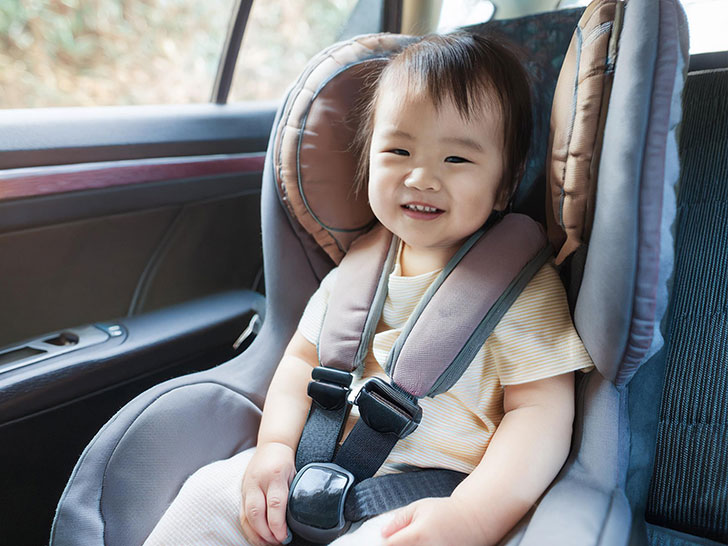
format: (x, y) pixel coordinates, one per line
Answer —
(422, 208)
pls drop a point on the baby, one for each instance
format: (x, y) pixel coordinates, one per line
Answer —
(445, 138)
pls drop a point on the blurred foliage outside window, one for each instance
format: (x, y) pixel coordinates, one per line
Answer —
(279, 40)
(126, 52)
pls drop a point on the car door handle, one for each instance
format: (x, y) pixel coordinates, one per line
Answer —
(57, 343)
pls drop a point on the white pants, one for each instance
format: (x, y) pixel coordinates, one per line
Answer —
(207, 511)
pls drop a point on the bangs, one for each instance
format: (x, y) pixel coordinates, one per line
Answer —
(445, 68)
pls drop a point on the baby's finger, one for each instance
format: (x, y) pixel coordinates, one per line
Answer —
(400, 519)
(410, 535)
(276, 499)
(251, 537)
(254, 509)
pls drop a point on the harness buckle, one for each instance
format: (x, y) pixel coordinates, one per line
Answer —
(329, 388)
(316, 499)
(386, 409)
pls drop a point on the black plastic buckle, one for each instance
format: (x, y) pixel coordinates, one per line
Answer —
(329, 388)
(386, 409)
(316, 499)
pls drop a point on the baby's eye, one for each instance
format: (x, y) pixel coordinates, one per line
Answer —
(456, 159)
(399, 151)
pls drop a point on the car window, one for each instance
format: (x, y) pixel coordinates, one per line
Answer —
(706, 20)
(281, 37)
(459, 13)
(107, 52)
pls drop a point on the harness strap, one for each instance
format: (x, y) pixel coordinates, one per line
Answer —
(384, 493)
(329, 392)
(368, 445)
(321, 435)
(364, 450)
(459, 310)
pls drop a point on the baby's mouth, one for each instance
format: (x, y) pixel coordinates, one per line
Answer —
(422, 208)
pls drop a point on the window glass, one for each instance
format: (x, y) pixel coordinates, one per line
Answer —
(280, 38)
(460, 13)
(706, 21)
(109, 52)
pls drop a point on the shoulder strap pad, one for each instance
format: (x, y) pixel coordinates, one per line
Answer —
(443, 334)
(357, 299)
(452, 320)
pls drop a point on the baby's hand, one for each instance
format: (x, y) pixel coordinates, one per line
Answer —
(435, 522)
(265, 493)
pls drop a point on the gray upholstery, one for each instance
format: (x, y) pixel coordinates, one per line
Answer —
(638, 172)
(139, 460)
(625, 257)
(223, 402)
(689, 487)
(586, 504)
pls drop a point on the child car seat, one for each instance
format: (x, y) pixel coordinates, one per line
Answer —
(134, 467)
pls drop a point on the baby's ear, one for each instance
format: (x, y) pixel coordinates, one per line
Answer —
(501, 202)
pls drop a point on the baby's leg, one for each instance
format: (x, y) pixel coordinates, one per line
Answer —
(207, 508)
(207, 511)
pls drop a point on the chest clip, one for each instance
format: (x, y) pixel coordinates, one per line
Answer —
(388, 410)
(329, 388)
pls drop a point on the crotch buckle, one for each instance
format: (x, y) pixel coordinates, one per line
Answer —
(316, 499)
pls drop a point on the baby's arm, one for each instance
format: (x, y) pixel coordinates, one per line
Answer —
(527, 451)
(270, 471)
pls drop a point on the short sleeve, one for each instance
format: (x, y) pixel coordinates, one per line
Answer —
(536, 338)
(313, 315)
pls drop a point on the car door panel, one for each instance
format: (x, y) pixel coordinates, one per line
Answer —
(118, 263)
(51, 410)
(143, 218)
(63, 136)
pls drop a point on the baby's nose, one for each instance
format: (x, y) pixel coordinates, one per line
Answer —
(422, 178)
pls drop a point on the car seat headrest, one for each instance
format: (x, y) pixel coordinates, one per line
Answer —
(577, 125)
(314, 160)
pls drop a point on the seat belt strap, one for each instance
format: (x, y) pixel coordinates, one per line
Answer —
(320, 436)
(443, 322)
(364, 451)
(460, 312)
(387, 414)
(373, 437)
(329, 392)
(375, 496)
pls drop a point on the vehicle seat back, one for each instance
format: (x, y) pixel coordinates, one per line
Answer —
(678, 477)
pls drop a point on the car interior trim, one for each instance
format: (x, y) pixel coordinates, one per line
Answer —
(228, 60)
(164, 335)
(18, 183)
(33, 137)
(50, 210)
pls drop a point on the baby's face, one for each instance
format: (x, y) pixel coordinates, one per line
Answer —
(433, 176)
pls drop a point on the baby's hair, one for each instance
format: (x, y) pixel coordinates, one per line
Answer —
(474, 72)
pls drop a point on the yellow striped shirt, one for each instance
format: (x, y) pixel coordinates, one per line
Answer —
(534, 340)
